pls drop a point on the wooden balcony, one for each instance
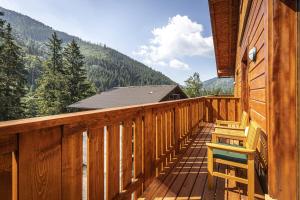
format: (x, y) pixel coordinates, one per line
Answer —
(185, 176)
(144, 151)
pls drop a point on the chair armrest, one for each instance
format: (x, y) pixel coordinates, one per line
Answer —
(229, 128)
(230, 135)
(236, 135)
(230, 148)
(220, 122)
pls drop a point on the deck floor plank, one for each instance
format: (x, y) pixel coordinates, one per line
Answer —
(189, 182)
(186, 177)
(179, 168)
(188, 168)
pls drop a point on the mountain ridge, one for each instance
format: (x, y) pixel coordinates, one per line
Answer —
(104, 64)
(106, 67)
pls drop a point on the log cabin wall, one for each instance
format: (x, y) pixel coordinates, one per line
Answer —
(271, 27)
(251, 76)
(282, 80)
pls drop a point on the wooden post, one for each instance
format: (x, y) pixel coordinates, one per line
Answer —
(95, 163)
(282, 90)
(72, 163)
(126, 154)
(40, 167)
(149, 148)
(113, 160)
(177, 128)
(251, 176)
(210, 168)
(138, 152)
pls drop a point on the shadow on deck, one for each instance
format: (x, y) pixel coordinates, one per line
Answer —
(186, 176)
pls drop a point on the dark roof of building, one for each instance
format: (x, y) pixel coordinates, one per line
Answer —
(125, 96)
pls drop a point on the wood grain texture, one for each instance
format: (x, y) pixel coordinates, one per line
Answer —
(95, 163)
(113, 161)
(72, 165)
(255, 81)
(65, 148)
(138, 152)
(6, 176)
(225, 109)
(8, 144)
(40, 164)
(127, 153)
(282, 96)
(149, 148)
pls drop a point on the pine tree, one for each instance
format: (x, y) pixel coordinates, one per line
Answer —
(52, 91)
(12, 75)
(78, 85)
(30, 103)
(193, 85)
(55, 57)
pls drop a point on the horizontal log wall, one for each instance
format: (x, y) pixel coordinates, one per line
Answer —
(42, 158)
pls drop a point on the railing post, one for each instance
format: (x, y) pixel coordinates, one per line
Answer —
(112, 160)
(95, 162)
(190, 119)
(177, 128)
(138, 151)
(149, 148)
(40, 164)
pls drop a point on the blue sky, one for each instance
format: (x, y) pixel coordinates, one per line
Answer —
(171, 36)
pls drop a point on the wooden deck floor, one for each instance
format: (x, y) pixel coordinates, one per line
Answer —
(186, 176)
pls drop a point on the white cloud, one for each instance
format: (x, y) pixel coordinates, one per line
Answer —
(170, 44)
(176, 64)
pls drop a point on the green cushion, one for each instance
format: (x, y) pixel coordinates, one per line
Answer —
(230, 156)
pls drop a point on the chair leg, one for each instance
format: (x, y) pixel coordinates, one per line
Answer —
(251, 176)
(210, 166)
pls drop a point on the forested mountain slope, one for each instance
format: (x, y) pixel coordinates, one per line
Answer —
(105, 66)
(225, 84)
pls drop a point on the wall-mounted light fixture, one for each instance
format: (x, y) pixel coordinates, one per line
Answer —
(252, 54)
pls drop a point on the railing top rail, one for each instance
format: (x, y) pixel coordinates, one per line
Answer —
(22, 125)
(221, 97)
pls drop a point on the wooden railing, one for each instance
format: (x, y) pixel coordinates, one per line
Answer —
(226, 108)
(42, 158)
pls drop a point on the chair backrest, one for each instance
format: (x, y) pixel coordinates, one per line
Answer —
(253, 135)
(244, 120)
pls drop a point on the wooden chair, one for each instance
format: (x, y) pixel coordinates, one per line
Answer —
(236, 156)
(233, 127)
(233, 124)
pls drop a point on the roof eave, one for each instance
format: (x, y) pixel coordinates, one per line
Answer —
(224, 22)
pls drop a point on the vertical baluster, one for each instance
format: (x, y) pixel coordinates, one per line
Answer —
(113, 160)
(158, 133)
(177, 128)
(231, 110)
(223, 109)
(163, 135)
(126, 154)
(40, 164)
(215, 110)
(72, 162)
(138, 152)
(181, 125)
(8, 167)
(149, 148)
(15, 175)
(173, 132)
(190, 118)
(186, 122)
(95, 162)
(169, 136)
